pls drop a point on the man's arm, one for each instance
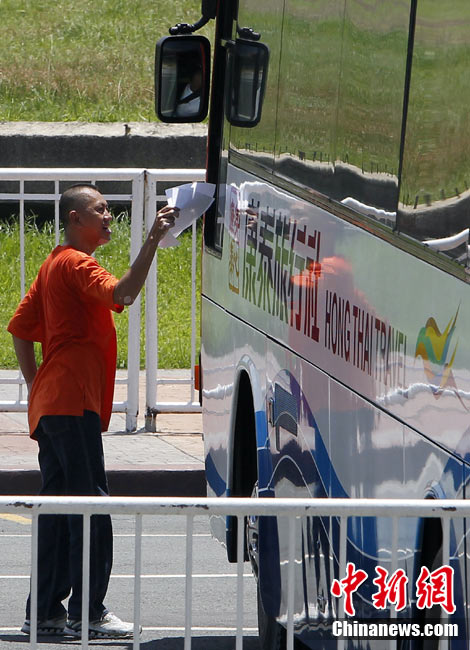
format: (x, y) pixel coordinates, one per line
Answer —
(129, 286)
(25, 355)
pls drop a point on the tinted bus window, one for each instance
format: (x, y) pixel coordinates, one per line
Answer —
(341, 101)
(434, 196)
(258, 142)
(311, 50)
(370, 106)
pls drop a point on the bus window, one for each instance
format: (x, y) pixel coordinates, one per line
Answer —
(434, 193)
(341, 101)
(308, 88)
(370, 107)
(257, 143)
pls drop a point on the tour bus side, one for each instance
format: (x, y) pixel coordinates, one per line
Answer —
(333, 350)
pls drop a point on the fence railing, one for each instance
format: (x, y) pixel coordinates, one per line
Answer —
(291, 509)
(143, 198)
(154, 178)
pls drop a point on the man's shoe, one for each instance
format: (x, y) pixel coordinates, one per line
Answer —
(109, 626)
(49, 627)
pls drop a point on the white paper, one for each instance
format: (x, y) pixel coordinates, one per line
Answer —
(169, 241)
(192, 199)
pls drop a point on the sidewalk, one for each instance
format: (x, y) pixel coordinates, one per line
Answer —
(167, 463)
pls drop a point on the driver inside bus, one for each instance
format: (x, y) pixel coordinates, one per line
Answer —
(189, 102)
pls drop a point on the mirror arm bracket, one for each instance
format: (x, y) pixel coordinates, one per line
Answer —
(186, 28)
(248, 33)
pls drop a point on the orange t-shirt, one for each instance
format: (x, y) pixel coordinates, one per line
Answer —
(68, 310)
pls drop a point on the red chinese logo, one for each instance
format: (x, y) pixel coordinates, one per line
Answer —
(391, 590)
(432, 588)
(436, 588)
(348, 585)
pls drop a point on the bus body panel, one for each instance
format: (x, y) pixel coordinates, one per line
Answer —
(356, 350)
(333, 429)
(333, 444)
(365, 459)
(303, 276)
(228, 348)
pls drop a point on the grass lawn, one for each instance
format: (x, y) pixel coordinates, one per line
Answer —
(62, 60)
(174, 290)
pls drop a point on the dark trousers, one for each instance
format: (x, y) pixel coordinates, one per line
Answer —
(72, 463)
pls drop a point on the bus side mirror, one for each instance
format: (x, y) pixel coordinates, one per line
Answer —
(247, 71)
(182, 76)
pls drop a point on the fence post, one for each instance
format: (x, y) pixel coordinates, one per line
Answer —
(133, 352)
(153, 405)
(193, 305)
(151, 306)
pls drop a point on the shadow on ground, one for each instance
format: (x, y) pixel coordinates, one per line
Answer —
(201, 643)
(57, 642)
(172, 643)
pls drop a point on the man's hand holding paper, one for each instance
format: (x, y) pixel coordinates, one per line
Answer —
(192, 199)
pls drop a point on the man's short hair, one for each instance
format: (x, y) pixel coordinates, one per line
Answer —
(73, 198)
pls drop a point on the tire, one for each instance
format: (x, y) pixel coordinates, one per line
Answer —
(272, 636)
(431, 557)
(252, 536)
(434, 614)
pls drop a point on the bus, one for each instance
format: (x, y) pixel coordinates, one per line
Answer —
(335, 351)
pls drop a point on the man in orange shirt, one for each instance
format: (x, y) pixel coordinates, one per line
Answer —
(69, 310)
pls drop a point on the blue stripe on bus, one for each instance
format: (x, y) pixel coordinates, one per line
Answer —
(213, 477)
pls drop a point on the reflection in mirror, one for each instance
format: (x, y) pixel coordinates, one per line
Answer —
(434, 194)
(247, 67)
(182, 78)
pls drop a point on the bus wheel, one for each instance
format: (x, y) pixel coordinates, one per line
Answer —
(252, 535)
(431, 557)
(272, 636)
(433, 615)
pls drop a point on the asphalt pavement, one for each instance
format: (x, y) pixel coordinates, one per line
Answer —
(163, 587)
(169, 462)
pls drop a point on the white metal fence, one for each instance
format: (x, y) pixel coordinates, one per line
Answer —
(154, 179)
(189, 508)
(143, 198)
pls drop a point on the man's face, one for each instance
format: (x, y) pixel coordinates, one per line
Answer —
(94, 218)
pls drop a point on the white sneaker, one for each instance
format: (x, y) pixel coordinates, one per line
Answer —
(49, 627)
(109, 626)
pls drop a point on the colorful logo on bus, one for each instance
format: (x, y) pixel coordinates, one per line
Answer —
(434, 347)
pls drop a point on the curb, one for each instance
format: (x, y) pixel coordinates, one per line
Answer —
(75, 144)
(156, 482)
